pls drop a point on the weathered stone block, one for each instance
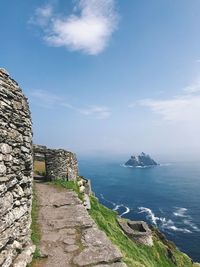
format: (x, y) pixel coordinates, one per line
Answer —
(16, 170)
(138, 231)
(5, 149)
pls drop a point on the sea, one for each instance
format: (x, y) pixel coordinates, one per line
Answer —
(166, 196)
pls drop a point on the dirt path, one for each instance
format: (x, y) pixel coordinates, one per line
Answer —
(69, 237)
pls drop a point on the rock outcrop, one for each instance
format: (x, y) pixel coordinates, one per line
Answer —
(142, 160)
(16, 171)
(137, 231)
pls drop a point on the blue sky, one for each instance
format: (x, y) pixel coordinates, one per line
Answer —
(108, 76)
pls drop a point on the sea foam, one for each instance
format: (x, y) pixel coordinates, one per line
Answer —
(180, 212)
(163, 223)
(116, 207)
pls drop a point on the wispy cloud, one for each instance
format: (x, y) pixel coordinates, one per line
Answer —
(42, 16)
(181, 108)
(49, 100)
(193, 88)
(87, 29)
(100, 112)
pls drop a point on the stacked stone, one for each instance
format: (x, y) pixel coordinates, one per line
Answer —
(137, 231)
(39, 152)
(61, 164)
(16, 170)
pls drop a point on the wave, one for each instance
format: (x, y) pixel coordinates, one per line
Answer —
(162, 222)
(148, 166)
(106, 200)
(143, 167)
(138, 167)
(126, 211)
(126, 166)
(180, 212)
(191, 225)
(116, 206)
(176, 229)
(150, 214)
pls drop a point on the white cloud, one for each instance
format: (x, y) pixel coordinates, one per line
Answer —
(193, 88)
(88, 29)
(42, 16)
(100, 112)
(49, 100)
(179, 109)
(45, 98)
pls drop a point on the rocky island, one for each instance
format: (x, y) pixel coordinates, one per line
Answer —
(142, 160)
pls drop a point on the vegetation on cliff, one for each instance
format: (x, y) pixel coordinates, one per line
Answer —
(35, 230)
(163, 253)
(69, 185)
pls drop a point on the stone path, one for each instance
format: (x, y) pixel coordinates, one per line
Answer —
(69, 237)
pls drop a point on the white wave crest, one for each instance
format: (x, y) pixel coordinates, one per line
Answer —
(176, 229)
(180, 212)
(127, 209)
(143, 167)
(106, 200)
(116, 206)
(191, 225)
(162, 222)
(126, 166)
(125, 212)
(150, 214)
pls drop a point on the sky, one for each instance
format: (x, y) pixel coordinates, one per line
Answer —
(107, 77)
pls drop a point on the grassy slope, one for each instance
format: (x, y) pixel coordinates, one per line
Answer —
(69, 185)
(135, 255)
(35, 234)
(35, 231)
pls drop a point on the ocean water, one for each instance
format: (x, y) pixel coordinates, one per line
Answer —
(167, 196)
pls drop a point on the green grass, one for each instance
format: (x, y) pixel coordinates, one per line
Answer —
(69, 185)
(135, 255)
(35, 234)
(39, 168)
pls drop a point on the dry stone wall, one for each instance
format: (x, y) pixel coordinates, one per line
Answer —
(16, 173)
(60, 163)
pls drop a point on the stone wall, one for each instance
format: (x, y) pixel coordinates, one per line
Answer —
(60, 163)
(16, 170)
(39, 152)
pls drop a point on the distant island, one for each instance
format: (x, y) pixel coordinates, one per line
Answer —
(142, 160)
